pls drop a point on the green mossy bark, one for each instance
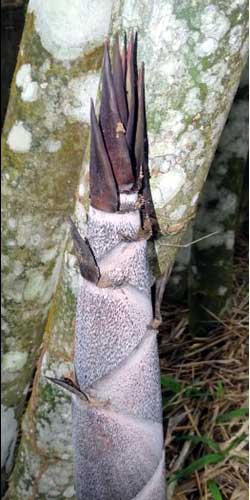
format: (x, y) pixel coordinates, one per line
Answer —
(38, 190)
(44, 463)
(194, 53)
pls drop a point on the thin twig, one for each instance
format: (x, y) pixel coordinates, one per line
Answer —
(186, 245)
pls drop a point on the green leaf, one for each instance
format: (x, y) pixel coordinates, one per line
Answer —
(196, 393)
(211, 458)
(220, 390)
(171, 384)
(239, 413)
(200, 439)
(214, 490)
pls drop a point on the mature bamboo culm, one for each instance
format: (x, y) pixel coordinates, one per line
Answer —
(117, 409)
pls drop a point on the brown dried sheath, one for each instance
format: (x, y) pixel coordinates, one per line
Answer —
(131, 92)
(86, 259)
(113, 129)
(103, 188)
(119, 82)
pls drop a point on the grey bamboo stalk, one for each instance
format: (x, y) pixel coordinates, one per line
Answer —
(117, 414)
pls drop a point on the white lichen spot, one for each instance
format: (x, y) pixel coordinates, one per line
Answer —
(79, 92)
(164, 27)
(35, 286)
(14, 361)
(171, 68)
(4, 326)
(18, 267)
(23, 76)
(4, 261)
(236, 3)
(244, 49)
(60, 25)
(12, 223)
(207, 47)
(8, 436)
(24, 81)
(193, 103)
(235, 39)
(222, 290)
(19, 138)
(191, 147)
(178, 213)
(166, 186)
(48, 255)
(214, 76)
(11, 243)
(194, 199)
(52, 146)
(72, 272)
(45, 67)
(81, 216)
(174, 123)
(69, 492)
(30, 94)
(214, 23)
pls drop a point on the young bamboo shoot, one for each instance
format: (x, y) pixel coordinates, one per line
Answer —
(116, 396)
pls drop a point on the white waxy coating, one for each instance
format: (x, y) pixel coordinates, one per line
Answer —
(155, 489)
(120, 453)
(118, 443)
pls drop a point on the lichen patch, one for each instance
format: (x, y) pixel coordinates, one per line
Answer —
(9, 434)
(14, 361)
(30, 89)
(19, 138)
(166, 186)
(79, 92)
(61, 28)
(52, 146)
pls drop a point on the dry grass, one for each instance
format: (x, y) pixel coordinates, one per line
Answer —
(205, 395)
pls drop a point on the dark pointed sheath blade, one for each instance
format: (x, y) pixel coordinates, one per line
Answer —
(131, 91)
(87, 262)
(124, 61)
(103, 187)
(141, 149)
(119, 82)
(141, 139)
(70, 386)
(113, 129)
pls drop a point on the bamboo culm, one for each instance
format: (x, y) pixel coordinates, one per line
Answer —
(116, 397)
